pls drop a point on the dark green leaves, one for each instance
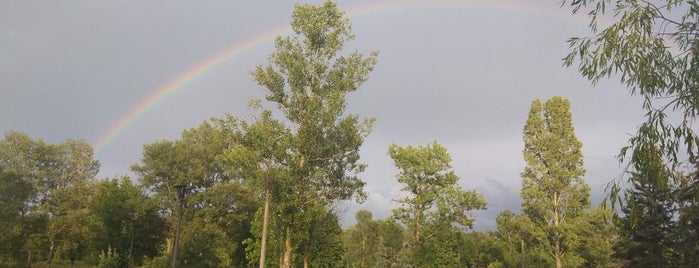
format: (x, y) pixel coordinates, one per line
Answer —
(650, 46)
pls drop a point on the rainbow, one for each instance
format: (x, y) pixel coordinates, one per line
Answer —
(180, 82)
(183, 79)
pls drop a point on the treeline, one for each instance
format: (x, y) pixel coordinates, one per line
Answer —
(54, 209)
(262, 192)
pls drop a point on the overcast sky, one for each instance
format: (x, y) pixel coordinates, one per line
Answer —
(462, 73)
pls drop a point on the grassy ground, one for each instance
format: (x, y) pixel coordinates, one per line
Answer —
(53, 265)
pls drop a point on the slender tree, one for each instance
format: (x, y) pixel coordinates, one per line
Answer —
(554, 194)
(308, 79)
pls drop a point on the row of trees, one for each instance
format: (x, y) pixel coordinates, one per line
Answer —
(54, 207)
(657, 226)
(262, 191)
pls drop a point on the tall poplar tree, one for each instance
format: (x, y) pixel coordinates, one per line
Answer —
(308, 78)
(554, 194)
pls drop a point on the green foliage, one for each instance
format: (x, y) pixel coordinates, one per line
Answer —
(258, 155)
(446, 248)
(556, 226)
(371, 243)
(307, 78)
(645, 229)
(47, 166)
(433, 202)
(50, 179)
(510, 239)
(487, 251)
(109, 259)
(595, 233)
(14, 192)
(687, 225)
(390, 246)
(230, 208)
(275, 241)
(219, 205)
(71, 224)
(651, 46)
(129, 227)
(552, 178)
(362, 241)
(204, 244)
(191, 161)
(322, 245)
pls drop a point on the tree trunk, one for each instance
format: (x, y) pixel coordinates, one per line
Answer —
(131, 243)
(522, 240)
(363, 253)
(558, 252)
(52, 247)
(556, 237)
(265, 217)
(286, 263)
(418, 218)
(305, 260)
(177, 236)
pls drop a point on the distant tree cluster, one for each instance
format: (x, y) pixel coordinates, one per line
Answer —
(53, 208)
(262, 192)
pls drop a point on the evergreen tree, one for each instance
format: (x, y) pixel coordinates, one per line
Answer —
(645, 229)
(687, 229)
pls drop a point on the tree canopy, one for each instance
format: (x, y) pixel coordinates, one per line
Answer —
(432, 205)
(651, 47)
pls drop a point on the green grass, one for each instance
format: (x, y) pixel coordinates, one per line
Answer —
(78, 264)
